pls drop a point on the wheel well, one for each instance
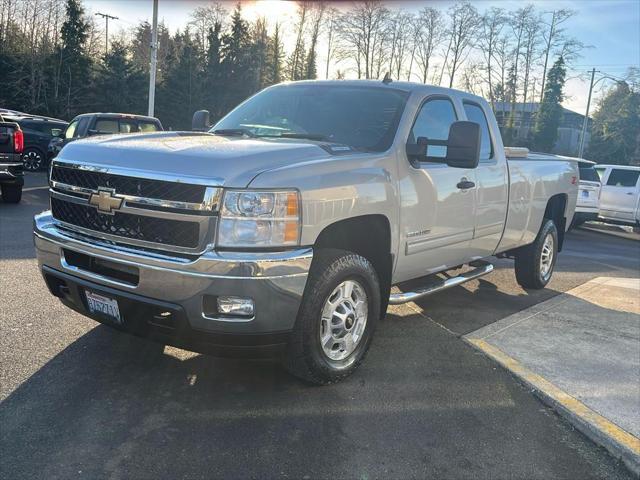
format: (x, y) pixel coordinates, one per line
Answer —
(556, 207)
(369, 236)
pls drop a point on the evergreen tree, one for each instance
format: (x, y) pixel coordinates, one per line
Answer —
(615, 132)
(259, 54)
(550, 112)
(212, 79)
(180, 93)
(236, 64)
(275, 56)
(119, 85)
(71, 66)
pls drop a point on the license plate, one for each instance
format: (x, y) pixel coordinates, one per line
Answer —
(585, 194)
(103, 306)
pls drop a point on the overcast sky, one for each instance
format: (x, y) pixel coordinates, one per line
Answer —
(611, 27)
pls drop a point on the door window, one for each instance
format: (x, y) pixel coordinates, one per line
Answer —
(475, 114)
(623, 178)
(433, 122)
(70, 132)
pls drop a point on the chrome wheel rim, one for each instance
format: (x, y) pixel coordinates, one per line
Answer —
(546, 258)
(32, 160)
(344, 319)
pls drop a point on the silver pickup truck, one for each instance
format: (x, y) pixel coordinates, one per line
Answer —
(283, 229)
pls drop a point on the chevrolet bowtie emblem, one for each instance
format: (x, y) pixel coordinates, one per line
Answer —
(105, 200)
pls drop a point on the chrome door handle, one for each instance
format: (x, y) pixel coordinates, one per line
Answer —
(465, 184)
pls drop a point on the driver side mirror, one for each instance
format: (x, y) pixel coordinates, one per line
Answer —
(463, 147)
(200, 121)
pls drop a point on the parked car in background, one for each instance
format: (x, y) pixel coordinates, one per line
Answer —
(588, 195)
(38, 132)
(11, 146)
(620, 194)
(89, 124)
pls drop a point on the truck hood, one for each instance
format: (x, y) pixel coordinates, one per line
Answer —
(191, 157)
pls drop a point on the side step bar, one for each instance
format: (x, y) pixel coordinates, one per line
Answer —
(481, 268)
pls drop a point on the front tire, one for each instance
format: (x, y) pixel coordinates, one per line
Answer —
(337, 318)
(535, 263)
(11, 193)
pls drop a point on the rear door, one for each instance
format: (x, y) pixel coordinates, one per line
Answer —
(619, 197)
(492, 191)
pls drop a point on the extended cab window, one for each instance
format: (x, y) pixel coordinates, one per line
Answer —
(475, 114)
(433, 122)
(623, 178)
(148, 127)
(106, 125)
(128, 126)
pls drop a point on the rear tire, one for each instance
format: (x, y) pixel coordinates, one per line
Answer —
(11, 193)
(535, 263)
(337, 318)
(33, 159)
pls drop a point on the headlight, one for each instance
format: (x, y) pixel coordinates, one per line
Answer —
(259, 219)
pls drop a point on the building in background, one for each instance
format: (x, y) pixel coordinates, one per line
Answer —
(568, 141)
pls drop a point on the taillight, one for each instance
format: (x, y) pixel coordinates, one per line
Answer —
(18, 141)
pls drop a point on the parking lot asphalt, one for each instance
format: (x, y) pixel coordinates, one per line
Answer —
(79, 400)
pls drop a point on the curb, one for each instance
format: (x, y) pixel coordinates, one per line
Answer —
(620, 443)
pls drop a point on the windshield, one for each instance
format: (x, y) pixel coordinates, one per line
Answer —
(364, 118)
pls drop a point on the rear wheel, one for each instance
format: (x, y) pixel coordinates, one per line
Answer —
(11, 193)
(32, 159)
(535, 263)
(337, 318)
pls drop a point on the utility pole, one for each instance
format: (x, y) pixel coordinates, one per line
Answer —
(154, 60)
(106, 30)
(586, 116)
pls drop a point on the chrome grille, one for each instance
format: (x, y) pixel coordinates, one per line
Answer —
(144, 212)
(135, 227)
(125, 185)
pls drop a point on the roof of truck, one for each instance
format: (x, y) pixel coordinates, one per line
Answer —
(117, 115)
(399, 85)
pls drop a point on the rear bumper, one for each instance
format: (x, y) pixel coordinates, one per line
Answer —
(11, 171)
(274, 281)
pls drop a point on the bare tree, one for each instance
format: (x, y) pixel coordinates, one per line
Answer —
(462, 33)
(493, 22)
(554, 37)
(204, 18)
(400, 26)
(531, 43)
(330, 23)
(429, 33)
(363, 33)
(296, 61)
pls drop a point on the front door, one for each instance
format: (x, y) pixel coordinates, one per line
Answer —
(619, 194)
(437, 201)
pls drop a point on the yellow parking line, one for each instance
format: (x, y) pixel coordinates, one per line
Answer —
(576, 407)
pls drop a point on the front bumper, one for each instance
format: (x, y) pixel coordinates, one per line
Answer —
(275, 281)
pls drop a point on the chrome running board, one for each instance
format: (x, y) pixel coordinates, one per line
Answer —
(481, 268)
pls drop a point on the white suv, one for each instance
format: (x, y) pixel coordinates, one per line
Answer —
(620, 194)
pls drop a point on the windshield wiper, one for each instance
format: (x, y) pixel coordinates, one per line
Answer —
(233, 132)
(307, 136)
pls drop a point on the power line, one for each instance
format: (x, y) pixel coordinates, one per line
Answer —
(106, 31)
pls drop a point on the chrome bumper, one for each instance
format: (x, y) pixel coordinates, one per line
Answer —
(275, 281)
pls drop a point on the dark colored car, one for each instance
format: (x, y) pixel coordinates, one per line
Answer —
(11, 146)
(89, 124)
(38, 132)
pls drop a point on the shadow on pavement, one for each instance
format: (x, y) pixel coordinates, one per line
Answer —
(423, 405)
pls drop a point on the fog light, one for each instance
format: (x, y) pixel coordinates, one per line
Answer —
(236, 306)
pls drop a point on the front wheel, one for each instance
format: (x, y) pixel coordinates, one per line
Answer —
(337, 318)
(535, 263)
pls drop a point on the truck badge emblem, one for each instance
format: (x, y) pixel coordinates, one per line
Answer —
(105, 200)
